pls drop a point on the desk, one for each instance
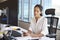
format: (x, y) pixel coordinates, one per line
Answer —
(29, 38)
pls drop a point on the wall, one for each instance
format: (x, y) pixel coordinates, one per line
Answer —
(58, 34)
(23, 24)
(13, 12)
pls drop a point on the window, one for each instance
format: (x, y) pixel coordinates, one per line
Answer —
(52, 4)
(46, 5)
(26, 9)
(25, 18)
(19, 15)
(56, 5)
(0, 12)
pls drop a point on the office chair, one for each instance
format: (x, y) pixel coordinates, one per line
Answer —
(53, 23)
(53, 27)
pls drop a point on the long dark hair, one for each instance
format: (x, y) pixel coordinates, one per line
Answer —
(40, 7)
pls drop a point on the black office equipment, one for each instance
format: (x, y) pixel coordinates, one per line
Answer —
(11, 35)
(14, 33)
(52, 22)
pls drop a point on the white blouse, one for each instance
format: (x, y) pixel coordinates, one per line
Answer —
(40, 26)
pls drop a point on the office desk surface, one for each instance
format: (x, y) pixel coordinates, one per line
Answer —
(30, 38)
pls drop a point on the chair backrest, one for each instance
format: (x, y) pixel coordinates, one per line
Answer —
(50, 11)
(53, 22)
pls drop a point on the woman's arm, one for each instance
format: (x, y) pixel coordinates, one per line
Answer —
(36, 35)
(45, 28)
(27, 33)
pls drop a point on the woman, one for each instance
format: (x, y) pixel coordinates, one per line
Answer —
(38, 26)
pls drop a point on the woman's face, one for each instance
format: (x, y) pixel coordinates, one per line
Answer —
(37, 12)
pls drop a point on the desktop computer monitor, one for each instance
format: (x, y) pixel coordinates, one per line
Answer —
(3, 19)
(9, 17)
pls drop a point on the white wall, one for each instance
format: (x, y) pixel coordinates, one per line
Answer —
(56, 5)
(58, 35)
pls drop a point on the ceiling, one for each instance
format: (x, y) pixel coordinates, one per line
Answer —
(2, 0)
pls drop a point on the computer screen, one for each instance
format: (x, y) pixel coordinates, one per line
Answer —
(3, 16)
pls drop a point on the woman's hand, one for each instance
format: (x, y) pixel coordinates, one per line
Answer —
(26, 34)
